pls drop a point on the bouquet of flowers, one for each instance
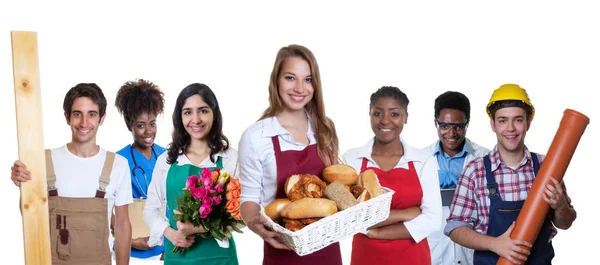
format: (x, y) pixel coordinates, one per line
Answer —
(212, 201)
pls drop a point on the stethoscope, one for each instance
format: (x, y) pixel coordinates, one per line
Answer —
(144, 195)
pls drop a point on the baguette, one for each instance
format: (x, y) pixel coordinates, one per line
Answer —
(308, 208)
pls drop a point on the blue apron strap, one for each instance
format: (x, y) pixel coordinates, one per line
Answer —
(536, 163)
(492, 186)
(220, 163)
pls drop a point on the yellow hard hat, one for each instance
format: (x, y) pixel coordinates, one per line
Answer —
(510, 92)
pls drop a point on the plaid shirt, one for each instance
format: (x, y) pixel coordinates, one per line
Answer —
(471, 202)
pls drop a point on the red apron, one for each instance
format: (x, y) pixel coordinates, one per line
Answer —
(289, 163)
(366, 251)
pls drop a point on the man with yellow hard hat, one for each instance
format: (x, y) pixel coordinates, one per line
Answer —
(492, 189)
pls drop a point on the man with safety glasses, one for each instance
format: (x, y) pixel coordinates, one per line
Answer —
(453, 151)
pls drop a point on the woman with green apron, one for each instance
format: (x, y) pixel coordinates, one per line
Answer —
(198, 142)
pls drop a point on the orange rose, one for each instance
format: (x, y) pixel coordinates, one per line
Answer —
(234, 184)
(233, 207)
(213, 176)
(232, 194)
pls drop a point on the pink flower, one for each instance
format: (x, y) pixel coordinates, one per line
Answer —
(205, 209)
(191, 182)
(216, 200)
(207, 200)
(219, 188)
(205, 179)
(198, 192)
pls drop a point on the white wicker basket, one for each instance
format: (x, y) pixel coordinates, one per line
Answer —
(336, 227)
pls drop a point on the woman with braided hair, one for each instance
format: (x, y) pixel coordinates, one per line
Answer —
(140, 102)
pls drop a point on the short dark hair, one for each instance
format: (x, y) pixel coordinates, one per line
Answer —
(390, 92)
(90, 90)
(510, 103)
(452, 100)
(217, 141)
(137, 97)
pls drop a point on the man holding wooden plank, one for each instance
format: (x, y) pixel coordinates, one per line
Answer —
(84, 183)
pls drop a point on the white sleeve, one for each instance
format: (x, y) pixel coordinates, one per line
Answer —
(156, 197)
(123, 193)
(431, 205)
(230, 164)
(250, 170)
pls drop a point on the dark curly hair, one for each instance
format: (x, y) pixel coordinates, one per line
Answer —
(217, 142)
(90, 90)
(390, 92)
(452, 100)
(137, 97)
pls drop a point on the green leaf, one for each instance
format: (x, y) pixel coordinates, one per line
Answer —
(234, 227)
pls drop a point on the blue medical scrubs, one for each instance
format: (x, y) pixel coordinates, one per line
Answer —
(141, 175)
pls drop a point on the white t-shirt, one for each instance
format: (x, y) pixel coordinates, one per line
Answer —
(426, 166)
(77, 177)
(157, 191)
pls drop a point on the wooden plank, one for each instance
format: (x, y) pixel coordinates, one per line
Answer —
(34, 194)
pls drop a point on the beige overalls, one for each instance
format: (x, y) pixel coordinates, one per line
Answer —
(79, 226)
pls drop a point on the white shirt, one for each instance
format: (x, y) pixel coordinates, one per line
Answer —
(157, 191)
(431, 203)
(257, 165)
(77, 177)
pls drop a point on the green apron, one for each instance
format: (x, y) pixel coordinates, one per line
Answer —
(204, 250)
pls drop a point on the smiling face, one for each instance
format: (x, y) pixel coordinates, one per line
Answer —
(143, 130)
(295, 84)
(451, 137)
(510, 125)
(387, 119)
(197, 117)
(84, 120)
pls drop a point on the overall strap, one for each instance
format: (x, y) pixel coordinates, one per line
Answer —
(220, 162)
(363, 167)
(536, 163)
(276, 146)
(105, 175)
(492, 186)
(50, 174)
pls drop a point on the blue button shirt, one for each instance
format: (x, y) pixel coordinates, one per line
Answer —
(450, 167)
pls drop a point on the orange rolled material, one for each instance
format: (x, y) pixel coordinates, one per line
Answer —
(555, 164)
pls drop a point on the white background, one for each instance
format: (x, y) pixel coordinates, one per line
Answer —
(550, 49)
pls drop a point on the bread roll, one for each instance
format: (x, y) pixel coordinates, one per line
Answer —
(273, 210)
(338, 193)
(309, 207)
(370, 182)
(340, 172)
(364, 196)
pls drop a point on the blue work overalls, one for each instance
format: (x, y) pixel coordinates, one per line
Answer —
(503, 213)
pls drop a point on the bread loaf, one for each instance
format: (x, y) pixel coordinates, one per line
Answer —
(308, 208)
(343, 173)
(273, 210)
(337, 192)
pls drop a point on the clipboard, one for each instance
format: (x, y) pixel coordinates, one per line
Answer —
(139, 228)
(447, 195)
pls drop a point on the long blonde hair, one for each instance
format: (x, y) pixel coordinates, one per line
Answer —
(327, 140)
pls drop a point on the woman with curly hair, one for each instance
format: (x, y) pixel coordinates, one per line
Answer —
(197, 142)
(140, 102)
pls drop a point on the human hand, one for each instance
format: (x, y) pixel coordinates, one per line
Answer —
(178, 238)
(257, 225)
(510, 249)
(141, 243)
(19, 173)
(188, 228)
(554, 195)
